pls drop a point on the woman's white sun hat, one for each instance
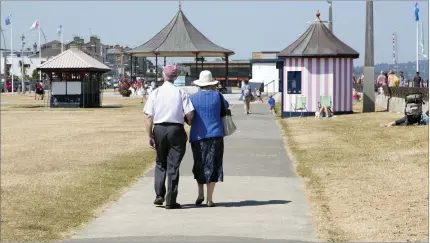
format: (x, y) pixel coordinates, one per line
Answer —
(205, 79)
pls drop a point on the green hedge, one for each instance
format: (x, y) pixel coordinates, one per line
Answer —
(401, 92)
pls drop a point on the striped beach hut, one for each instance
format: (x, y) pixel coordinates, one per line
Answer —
(317, 67)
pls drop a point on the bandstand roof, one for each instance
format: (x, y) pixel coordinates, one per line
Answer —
(180, 39)
(318, 41)
(74, 59)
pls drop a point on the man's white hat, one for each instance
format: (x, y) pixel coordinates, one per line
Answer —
(205, 79)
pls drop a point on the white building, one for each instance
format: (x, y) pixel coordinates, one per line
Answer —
(264, 70)
(30, 59)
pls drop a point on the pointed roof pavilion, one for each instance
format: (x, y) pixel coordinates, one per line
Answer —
(180, 39)
(318, 41)
(74, 59)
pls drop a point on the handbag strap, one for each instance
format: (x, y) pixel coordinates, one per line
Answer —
(223, 110)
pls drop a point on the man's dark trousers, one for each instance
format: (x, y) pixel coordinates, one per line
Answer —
(170, 143)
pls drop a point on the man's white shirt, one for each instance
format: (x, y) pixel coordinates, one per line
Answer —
(168, 103)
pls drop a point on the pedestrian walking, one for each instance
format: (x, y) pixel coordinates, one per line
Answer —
(417, 80)
(258, 94)
(272, 103)
(165, 109)
(207, 136)
(402, 80)
(382, 79)
(247, 97)
(393, 80)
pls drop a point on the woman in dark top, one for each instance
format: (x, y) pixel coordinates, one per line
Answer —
(207, 136)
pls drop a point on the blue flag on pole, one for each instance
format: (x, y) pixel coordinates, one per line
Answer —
(59, 29)
(417, 11)
(8, 20)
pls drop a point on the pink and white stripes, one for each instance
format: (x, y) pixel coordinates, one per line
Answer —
(321, 77)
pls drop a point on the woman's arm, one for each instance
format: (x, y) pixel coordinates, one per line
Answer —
(226, 104)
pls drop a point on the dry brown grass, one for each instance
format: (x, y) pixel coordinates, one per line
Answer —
(60, 166)
(364, 182)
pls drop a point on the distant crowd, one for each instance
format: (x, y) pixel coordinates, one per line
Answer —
(391, 79)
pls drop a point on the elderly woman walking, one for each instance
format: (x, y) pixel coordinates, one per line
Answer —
(207, 136)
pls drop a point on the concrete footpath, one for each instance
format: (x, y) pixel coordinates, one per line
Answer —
(260, 200)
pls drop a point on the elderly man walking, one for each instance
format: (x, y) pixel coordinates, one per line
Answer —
(165, 110)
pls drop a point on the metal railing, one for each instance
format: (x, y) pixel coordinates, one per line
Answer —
(274, 90)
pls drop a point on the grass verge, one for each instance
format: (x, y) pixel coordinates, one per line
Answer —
(54, 210)
(61, 166)
(363, 182)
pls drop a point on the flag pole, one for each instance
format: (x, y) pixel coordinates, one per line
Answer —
(11, 54)
(417, 46)
(40, 56)
(62, 44)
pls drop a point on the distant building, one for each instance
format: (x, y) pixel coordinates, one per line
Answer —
(120, 63)
(264, 70)
(30, 58)
(114, 56)
(238, 70)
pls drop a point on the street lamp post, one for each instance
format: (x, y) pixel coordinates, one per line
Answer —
(22, 62)
(369, 69)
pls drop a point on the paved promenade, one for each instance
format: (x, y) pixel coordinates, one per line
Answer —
(260, 197)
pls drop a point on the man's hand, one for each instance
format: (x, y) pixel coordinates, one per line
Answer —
(149, 127)
(152, 143)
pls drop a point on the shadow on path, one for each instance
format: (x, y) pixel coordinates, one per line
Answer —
(247, 203)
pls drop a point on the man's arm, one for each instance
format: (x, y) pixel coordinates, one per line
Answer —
(189, 116)
(150, 126)
(149, 111)
(188, 108)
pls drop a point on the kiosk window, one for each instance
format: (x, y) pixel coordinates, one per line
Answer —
(294, 82)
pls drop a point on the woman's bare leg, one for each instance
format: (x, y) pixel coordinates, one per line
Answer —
(325, 110)
(210, 191)
(246, 106)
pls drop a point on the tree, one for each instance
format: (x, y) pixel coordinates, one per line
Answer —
(35, 74)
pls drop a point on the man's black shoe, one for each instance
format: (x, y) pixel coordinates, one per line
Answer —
(173, 206)
(159, 201)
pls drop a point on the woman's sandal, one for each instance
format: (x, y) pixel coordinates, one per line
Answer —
(199, 200)
(211, 204)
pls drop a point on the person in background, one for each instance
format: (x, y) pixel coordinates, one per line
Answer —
(403, 121)
(40, 92)
(165, 109)
(381, 80)
(258, 94)
(247, 97)
(153, 85)
(242, 84)
(417, 80)
(8, 86)
(426, 83)
(324, 112)
(402, 80)
(361, 78)
(393, 80)
(386, 78)
(355, 95)
(272, 103)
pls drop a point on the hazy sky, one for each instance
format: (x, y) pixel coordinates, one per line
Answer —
(242, 26)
